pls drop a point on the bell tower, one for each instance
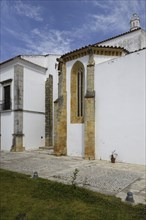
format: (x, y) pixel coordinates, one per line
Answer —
(134, 22)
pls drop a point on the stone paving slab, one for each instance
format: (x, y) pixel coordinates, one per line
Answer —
(108, 181)
(101, 176)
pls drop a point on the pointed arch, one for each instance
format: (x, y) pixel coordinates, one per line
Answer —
(77, 92)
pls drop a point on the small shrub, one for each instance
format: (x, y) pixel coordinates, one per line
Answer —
(74, 177)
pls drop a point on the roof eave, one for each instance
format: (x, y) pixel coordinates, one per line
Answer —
(19, 58)
(96, 50)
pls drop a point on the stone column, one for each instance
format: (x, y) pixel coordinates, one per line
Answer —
(49, 111)
(89, 113)
(18, 109)
(60, 114)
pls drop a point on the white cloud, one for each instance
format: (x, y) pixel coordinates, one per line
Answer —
(31, 11)
(112, 16)
(52, 41)
(42, 41)
(115, 15)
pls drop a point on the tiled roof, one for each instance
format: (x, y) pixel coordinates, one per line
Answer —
(137, 50)
(96, 47)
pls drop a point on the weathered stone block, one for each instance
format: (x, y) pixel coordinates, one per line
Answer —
(49, 111)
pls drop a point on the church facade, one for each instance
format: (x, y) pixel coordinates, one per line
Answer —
(99, 100)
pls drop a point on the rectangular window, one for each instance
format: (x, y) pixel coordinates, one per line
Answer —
(7, 98)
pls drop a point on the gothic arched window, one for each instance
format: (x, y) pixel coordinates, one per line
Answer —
(77, 93)
(80, 94)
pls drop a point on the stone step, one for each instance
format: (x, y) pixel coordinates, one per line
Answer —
(46, 148)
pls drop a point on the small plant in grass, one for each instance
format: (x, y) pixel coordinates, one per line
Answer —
(74, 177)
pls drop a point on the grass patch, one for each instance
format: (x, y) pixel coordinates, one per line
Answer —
(38, 199)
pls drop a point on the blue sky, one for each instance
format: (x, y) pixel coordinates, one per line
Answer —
(45, 26)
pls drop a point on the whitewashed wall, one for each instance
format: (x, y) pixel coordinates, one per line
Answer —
(34, 90)
(7, 130)
(120, 108)
(143, 38)
(34, 130)
(37, 59)
(132, 41)
(102, 58)
(48, 62)
(34, 109)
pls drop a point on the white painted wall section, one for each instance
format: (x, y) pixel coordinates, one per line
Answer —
(34, 109)
(37, 59)
(49, 62)
(132, 41)
(34, 130)
(75, 140)
(34, 90)
(7, 130)
(101, 58)
(120, 108)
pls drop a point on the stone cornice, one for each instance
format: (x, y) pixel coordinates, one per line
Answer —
(6, 81)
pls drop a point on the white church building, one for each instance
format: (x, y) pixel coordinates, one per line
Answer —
(26, 102)
(98, 93)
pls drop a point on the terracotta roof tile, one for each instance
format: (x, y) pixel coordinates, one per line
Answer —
(94, 46)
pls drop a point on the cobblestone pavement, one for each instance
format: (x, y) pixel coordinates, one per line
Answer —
(101, 176)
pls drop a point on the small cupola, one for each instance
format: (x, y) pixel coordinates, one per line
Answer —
(134, 22)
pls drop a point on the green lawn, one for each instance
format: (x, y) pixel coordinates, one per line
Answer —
(25, 198)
